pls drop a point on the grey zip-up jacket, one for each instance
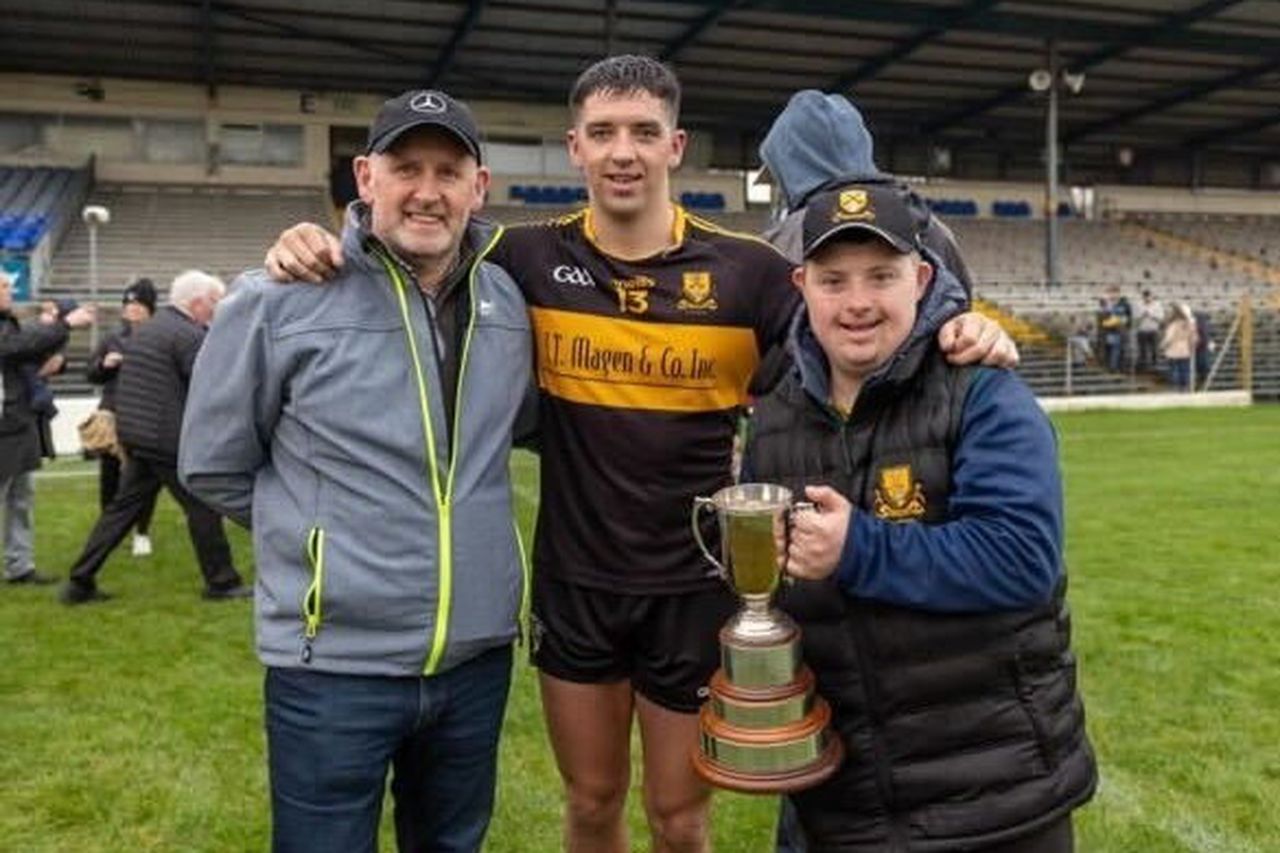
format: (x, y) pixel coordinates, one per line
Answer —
(315, 413)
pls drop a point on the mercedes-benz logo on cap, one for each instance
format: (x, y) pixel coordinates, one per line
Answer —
(431, 103)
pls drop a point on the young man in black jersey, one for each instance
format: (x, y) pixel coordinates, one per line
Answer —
(649, 323)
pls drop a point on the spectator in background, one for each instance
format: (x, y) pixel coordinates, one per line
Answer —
(1081, 340)
(41, 395)
(1100, 316)
(1150, 315)
(1178, 345)
(1205, 347)
(104, 369)
(150, 398)
(1124, 310)
(24, 355)
(1114, 317)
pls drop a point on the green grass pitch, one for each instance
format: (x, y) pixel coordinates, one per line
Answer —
(136, 725)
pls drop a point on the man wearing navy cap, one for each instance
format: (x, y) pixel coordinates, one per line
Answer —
(931, 588)
(364, 430)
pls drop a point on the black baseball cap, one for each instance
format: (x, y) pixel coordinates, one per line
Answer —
(419, 108)
(885, 210)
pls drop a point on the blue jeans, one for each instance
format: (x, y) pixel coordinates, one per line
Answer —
(331, 739)
(790, 837)
(16, 501)
(1180, 372)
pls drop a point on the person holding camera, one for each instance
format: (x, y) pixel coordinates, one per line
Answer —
(24, 353)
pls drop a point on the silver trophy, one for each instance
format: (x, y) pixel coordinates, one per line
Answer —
(763, 730)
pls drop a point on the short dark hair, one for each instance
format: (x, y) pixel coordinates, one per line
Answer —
(627, 74)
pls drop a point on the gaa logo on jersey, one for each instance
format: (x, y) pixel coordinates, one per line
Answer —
(697, 292)
(573, 276)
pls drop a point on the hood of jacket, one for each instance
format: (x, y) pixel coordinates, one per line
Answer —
(818, 138)
(944, 298)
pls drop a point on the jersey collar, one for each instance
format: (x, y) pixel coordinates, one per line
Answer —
(679, 226)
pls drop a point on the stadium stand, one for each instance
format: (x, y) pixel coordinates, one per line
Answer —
(1102, 253)
(1255, 237)
(548, 195)
(35, 202)
(160, 231)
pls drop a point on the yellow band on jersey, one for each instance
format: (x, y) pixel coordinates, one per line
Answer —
(628, 364)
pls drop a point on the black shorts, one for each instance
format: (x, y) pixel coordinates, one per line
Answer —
(666, 645)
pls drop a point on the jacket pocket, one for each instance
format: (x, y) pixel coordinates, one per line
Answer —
(313, 599)
(1025, 690)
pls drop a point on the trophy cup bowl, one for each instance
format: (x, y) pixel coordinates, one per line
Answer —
(763, 730)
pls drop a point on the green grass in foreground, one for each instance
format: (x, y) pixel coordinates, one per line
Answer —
(136, 725)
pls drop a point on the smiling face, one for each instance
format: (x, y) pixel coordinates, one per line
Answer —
(422, 192)
(626, 145)
(861, 295)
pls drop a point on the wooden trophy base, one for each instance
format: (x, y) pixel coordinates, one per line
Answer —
(771, 740)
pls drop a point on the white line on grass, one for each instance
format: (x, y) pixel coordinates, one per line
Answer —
(66, 475)
(1122, 795)
(1154, 434)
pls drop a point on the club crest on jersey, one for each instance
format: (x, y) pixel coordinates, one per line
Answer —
(853, 205)
(899, 497)
(697, 292)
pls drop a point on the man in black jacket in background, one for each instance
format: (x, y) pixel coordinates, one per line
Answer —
(150, 396)
(138, 306)
(23, 351)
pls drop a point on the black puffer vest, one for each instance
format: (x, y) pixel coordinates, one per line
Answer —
(962, 730)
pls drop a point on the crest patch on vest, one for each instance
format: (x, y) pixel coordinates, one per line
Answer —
(899, 497)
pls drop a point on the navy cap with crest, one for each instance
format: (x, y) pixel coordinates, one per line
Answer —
(422, 108)
(885, 210)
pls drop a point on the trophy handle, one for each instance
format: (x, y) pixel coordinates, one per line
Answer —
(699, 504)
(798, 506)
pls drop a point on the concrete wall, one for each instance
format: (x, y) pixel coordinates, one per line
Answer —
(127, 99)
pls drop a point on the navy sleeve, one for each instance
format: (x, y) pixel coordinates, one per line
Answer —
(1002, 545)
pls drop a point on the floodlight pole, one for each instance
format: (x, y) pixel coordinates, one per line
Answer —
(1051, 173)
(92, 222)
(93, 216)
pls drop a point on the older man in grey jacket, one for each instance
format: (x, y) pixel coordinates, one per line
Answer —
(363, 430)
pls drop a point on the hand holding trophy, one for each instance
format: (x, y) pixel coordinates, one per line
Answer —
(762, 730)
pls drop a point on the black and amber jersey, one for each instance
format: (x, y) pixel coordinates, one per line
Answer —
(644, 367)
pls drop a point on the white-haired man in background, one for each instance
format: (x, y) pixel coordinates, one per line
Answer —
(150, 398)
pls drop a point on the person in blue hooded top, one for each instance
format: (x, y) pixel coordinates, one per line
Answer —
(930, 588)
(820, 142)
